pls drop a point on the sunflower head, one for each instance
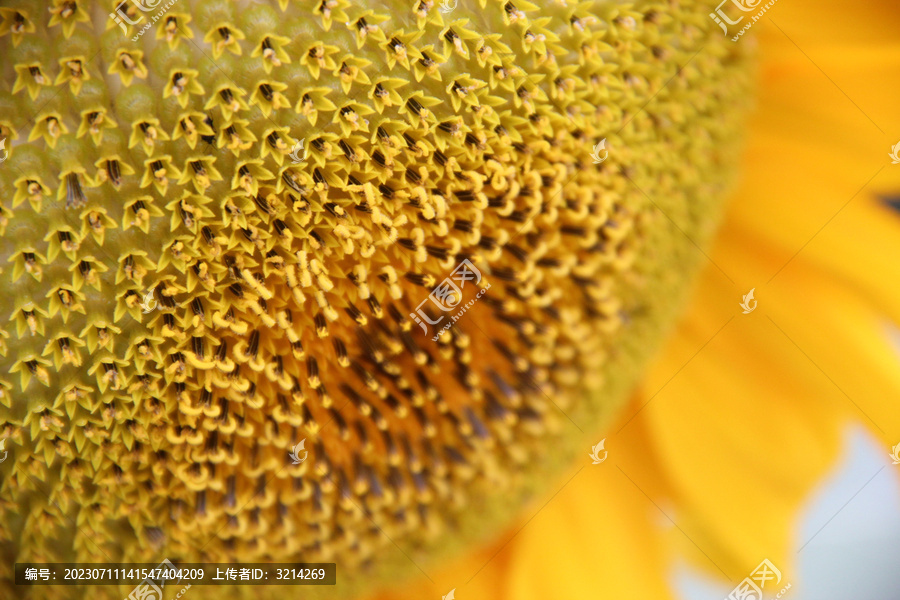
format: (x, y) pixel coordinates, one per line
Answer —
(431, 246)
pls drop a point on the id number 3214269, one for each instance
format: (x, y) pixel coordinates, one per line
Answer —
(300, 574)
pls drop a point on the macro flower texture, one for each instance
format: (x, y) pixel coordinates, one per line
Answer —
(367, 284)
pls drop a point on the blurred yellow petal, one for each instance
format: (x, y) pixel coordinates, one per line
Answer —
(598, 533)
(750, 426)
(741, 434)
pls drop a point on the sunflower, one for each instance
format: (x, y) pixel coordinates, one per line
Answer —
(220, 236)
(742, 415)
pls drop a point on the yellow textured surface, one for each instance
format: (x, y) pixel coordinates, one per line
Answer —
(284, 292)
